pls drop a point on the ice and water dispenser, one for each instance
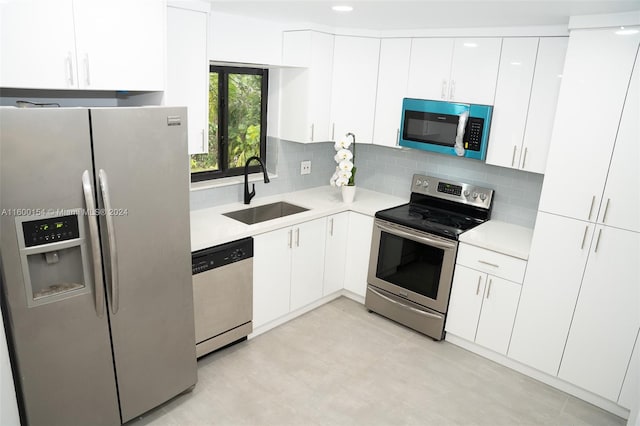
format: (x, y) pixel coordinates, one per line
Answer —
(53, 254)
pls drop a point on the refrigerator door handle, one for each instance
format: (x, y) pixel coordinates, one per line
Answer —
(90, 203)
(113, 252)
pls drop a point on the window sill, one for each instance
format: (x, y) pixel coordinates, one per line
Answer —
(228, 181)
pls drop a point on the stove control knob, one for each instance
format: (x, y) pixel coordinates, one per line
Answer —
(474, 195)
(425, 183)
(483, 196)
(418, 182)
(466, 193)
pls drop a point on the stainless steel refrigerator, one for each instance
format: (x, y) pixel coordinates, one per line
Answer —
(95, 260)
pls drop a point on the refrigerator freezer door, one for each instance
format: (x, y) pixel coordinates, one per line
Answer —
(62, 346)
(142, 155)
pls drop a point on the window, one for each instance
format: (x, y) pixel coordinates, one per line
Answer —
(237, 122)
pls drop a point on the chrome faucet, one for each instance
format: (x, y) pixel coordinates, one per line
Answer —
(249, 195)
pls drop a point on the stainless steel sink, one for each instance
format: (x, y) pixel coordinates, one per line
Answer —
(266, 212)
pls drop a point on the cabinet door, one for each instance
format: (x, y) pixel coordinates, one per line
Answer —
(307, 262)
(543, 102)
(474, 70)
(271, 275)
(429, 68)
(607, 316)
(335, 254)
(467, 292)
(305, 93)
(622, 192)
(355, 78)
(630, 394)
(358, 249)
(594, 84)
(37, 44)
(517, 62)
(498, 312)
(188, 72)
(120, 44)
(558, 255)
(392, 88)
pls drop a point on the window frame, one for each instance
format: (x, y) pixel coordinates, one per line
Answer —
(223, 120)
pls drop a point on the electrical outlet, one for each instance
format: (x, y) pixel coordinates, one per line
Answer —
(305, 167)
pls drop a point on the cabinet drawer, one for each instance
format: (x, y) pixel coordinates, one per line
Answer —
(497, 264)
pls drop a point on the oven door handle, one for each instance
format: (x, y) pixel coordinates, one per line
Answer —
(411, 308)
(419, 238)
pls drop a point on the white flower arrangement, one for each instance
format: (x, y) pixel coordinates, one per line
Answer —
(345, 170)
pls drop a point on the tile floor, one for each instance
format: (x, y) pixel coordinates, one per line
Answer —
(340, 365)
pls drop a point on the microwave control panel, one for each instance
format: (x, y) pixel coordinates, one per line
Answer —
(473, 133)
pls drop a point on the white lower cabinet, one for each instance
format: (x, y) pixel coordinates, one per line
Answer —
(607, 315)
(335, 253)
(358, 249)
(307, 262)
(271, 276)
(559, 251)
(288, 270)
(630, 393)
(483, 306)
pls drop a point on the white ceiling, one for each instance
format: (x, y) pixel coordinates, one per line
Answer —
(423, 14)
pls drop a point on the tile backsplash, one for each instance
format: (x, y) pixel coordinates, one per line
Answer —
(387, 170)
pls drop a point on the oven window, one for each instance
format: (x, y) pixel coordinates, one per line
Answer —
(408, 264)
(426, 127)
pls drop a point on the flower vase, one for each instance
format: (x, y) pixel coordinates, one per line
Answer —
(348, 193)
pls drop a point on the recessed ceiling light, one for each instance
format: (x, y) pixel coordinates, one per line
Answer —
(343, 8)
(623, 31)
(468, 44)
(516, 63)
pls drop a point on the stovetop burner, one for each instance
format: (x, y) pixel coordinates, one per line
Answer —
(442, 208)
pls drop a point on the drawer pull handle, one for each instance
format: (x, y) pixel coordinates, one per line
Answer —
(487, 263)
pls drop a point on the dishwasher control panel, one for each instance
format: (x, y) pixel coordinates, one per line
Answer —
(224, 254)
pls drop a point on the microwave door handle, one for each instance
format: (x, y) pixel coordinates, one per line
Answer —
(418, 238)
(462, 125)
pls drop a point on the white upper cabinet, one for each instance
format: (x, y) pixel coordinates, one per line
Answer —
(621, 200)
(607, 316)
(305, 93)
(37, 44)
(594, 85)
(460, 70)
(83, 44)
(430, 68)
(120, 44)
(542, 104)
(517, 64)
(392, 88)
(353, 94)
(526, 98)
(188, 72)
(474, 70)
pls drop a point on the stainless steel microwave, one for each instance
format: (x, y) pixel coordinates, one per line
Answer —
(446, 127)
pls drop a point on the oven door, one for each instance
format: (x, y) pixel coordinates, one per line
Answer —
(411, 264)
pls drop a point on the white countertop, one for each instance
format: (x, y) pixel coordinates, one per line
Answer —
(210, 228)
(506, 238)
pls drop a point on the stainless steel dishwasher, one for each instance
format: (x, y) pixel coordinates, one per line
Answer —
(223, 294)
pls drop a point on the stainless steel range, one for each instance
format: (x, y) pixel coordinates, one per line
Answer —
(414, 248)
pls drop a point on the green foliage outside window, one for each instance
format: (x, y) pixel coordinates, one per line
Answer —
(243, 95)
